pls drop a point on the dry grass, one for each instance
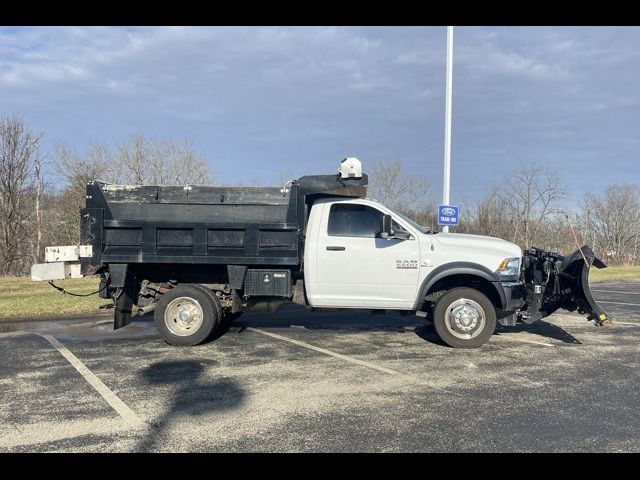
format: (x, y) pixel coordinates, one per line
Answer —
(21, 298)
(614, 273)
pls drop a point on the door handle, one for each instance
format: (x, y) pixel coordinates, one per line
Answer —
(334, 249)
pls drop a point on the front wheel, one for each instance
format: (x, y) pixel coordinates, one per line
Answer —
(464, 318)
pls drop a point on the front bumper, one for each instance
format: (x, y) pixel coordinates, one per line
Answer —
(515, 296)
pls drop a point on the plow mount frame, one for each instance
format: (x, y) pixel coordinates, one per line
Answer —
(557, 282)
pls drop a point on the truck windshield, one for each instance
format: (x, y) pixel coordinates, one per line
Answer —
(420, 228)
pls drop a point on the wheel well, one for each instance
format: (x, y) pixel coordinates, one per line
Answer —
(466, 280)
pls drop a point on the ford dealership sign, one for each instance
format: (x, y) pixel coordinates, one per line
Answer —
(448, 214)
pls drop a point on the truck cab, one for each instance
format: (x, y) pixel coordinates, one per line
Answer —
(352, 262)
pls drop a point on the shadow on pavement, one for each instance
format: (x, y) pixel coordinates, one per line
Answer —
(353, 319)
(544, 329)
(392, 321)
(192, 396)
(364, 320)
(428, 333)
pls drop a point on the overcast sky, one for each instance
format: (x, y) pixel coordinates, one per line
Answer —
(258, 102)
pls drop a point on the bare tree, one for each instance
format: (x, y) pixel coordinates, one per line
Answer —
(615, 219)
(38, 179)
(18, 149)
(137, 161)
(487, 217)
(144, 161)
(585, 223)
(76, 171)
(391, 185)
(96, 163)
(530, 197)
(387, 182)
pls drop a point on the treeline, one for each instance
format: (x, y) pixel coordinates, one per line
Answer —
(527, 208)
(41, 194)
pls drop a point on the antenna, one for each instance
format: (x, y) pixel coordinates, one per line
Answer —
(576, 239)
(518, 232)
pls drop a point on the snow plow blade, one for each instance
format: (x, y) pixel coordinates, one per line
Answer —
(574, 273)
(557, 282)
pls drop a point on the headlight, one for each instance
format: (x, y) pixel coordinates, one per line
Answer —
(509, 267)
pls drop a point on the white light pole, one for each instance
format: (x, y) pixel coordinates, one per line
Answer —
(447, 121)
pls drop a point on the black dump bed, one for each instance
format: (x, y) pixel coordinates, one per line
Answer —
(203, 224)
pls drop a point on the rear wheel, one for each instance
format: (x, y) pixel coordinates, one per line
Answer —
(225, 324)
(229, 317)
(187, 315)
(464, 318)
(232, 317)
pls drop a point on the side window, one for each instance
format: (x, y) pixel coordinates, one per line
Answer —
(353, 220)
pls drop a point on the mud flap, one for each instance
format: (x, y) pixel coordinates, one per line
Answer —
(574, 285)
(124, 300)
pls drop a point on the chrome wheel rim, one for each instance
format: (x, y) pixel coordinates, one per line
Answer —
(465, 319)
(183, 316)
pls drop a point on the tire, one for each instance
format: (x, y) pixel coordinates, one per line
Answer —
(201, 315)
(231, 317)
(226, 321)
(464, 318)
(225, 315)
(228, 318)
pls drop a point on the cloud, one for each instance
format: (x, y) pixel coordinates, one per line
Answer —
(297, 99)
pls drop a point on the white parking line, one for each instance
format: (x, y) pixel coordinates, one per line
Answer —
(112, 399)
(619, 303)
(327, 352)
(17, 333)
(29, 435)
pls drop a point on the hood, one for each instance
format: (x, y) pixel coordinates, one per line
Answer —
(479, 243)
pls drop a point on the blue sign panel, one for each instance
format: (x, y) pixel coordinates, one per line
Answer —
(448, 214)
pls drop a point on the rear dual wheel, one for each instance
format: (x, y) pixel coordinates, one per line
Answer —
(189, 315)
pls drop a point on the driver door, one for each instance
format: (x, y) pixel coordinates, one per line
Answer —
(359, 269)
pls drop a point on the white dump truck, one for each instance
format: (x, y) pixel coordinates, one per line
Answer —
(199, 256)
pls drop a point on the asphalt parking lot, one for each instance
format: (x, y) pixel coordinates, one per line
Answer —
(332, 381)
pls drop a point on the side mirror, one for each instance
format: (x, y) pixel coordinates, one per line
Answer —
(401, 235)
(385, 227)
